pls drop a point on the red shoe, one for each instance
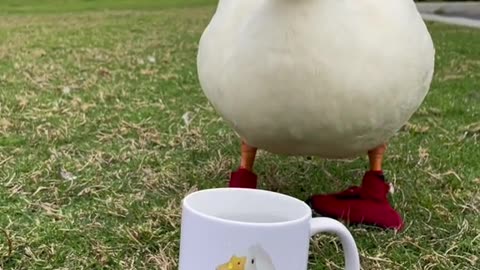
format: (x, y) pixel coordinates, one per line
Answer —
(368, 204)
(350, 193)
(243, 178)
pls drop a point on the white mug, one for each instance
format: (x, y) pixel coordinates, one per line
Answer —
(249, 229)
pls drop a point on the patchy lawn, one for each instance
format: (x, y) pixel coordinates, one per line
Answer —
(95, 152)
(62, 6)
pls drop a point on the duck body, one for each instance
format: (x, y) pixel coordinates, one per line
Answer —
(316, 77)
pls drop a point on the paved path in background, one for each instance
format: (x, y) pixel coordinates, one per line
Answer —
(459, 13)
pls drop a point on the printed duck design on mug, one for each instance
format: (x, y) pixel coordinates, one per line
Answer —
(255, 259)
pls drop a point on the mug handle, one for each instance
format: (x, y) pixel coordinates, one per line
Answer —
(328, 225)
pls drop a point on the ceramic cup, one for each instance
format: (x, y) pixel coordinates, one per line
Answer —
(248, 229)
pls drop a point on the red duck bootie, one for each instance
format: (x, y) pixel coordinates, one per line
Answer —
(367, 204)
(243, 178)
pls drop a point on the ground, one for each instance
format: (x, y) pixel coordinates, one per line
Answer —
(104, 128)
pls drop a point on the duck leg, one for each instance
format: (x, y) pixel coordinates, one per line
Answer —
(244, 176)
(375, 157)
(366, 204)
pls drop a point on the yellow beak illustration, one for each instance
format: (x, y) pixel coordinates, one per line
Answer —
(235, 263)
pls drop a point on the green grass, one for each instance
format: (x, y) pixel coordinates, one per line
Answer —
(58, 6)
(80, 94)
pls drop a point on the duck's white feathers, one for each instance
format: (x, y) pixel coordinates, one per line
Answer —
(332, 78)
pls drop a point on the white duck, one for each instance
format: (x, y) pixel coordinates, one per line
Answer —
(330, 78)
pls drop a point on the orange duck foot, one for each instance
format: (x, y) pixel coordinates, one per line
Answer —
(366, 204)
(243, 178)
